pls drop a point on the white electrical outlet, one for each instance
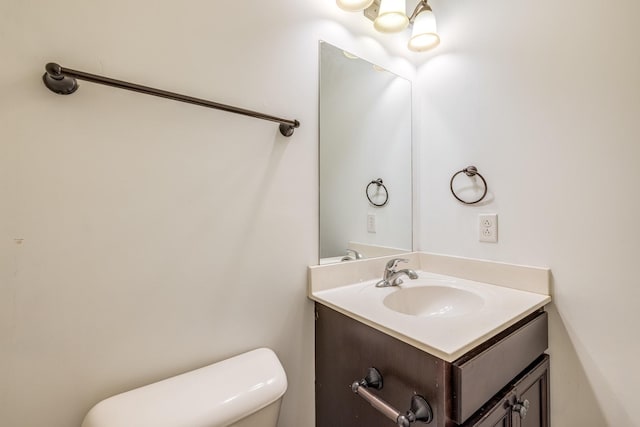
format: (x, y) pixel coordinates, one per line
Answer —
(488, 228)
(371, 223)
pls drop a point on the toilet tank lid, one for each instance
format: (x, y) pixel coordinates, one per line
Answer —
(216, 395)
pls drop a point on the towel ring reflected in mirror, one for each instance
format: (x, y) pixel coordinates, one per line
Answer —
(379, 183)
(469, 171)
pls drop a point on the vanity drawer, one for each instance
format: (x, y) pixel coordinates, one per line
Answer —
(480, 374)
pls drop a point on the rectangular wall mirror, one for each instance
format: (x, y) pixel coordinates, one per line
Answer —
(365, 159)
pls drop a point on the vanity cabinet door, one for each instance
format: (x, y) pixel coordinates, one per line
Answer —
(496, 413)
(529, 390)
(346, 348)
(533, 388)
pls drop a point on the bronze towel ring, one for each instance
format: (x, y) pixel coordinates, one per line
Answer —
(379, 184)
(469, 171)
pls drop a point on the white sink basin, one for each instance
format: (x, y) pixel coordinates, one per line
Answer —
(442, 315)
(432, 301)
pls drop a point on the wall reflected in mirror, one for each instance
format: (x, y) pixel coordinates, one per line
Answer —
(365, 136)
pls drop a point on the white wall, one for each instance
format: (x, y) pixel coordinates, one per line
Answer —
(544, 98)
(140, 237)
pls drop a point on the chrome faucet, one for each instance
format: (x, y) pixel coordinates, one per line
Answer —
(391, 276)
(352, 255)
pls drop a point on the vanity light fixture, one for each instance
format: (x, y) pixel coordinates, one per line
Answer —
(392, 16)
(389, 16)
(353, 5)
(424, 35)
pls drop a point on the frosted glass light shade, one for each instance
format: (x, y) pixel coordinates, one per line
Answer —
(354, 5)
(424, 35)
(392, 16)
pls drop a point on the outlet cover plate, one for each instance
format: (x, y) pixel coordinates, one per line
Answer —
(371, 223)
(488, 228)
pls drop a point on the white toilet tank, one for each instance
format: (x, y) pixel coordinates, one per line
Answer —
(243, 391)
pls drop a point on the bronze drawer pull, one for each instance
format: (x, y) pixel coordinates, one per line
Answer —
(521, 408)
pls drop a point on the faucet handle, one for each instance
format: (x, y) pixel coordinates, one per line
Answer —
(391, 265)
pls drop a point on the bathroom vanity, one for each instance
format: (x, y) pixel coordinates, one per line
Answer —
(477, 362)
(481, 388)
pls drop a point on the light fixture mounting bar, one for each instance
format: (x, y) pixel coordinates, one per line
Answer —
(371, 13)
(422, 5)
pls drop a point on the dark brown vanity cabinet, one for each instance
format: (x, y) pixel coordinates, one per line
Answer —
(502, 382)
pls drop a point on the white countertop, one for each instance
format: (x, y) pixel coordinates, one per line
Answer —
(444, 333)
